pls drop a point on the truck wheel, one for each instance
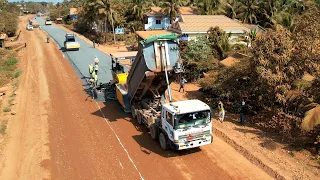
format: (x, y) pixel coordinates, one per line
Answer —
(133, 112)
(164, 142)
(154, 131)
(139, 118)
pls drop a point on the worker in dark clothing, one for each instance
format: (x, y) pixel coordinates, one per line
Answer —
(242, 112)
(182, 83)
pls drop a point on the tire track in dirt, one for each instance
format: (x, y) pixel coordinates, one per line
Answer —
(28, 131)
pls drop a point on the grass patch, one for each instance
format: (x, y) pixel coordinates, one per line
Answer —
(17, 74)
(3, 127)
(7, 109)
(12, 61)
(11, 101)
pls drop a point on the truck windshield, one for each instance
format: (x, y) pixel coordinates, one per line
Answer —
(192, 119)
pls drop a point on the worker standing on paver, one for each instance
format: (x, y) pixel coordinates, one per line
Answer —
(90, 70)
(221, 111)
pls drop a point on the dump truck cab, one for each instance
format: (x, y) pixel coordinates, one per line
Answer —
(70, 43)
(187, 124)
(120, 65)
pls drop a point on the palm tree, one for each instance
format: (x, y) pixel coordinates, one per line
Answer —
(171, 7)
(210, 7)
(288, 22)
(230, 8)
(104, 11)
(248, 11)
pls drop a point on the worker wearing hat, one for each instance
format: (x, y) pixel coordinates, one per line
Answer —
(221, 111)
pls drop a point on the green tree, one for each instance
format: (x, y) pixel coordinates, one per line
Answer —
(230, 8)
(248, 11)
(219, 42)
(272, 66)
(171, 7)
(198, 58)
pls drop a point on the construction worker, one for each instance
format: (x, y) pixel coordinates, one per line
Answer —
(96, 60)
(182, 83)
(221, 111)
(93, 74)
(96, 68)
(93, 80)
(90, 69)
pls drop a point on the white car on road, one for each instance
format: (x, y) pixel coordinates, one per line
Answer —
(29, 27)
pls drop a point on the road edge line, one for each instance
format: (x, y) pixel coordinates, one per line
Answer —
(134, 165)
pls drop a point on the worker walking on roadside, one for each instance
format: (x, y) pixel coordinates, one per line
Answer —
(242, 112)
(182, 83)
(221, 111)
(90, 70)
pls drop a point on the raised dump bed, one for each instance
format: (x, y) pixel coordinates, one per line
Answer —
(146, 78)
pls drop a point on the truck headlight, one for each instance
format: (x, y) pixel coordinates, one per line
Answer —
(176, 141)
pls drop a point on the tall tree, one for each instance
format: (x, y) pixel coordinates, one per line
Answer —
(210, 7)
(248, 11)
(171, 7)
(230, 8)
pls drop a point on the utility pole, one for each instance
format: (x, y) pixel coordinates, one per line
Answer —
(114, 35)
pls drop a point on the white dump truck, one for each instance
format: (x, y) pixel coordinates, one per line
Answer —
(177, 125)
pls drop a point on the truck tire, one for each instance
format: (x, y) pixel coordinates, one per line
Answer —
(139, 117)
(133, 112)
(154, 131)
(164, 142)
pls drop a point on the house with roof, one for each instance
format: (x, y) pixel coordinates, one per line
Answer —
(73, 13)
(156, 19)
(191, 26)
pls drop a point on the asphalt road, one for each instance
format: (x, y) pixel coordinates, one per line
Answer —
(82, 58)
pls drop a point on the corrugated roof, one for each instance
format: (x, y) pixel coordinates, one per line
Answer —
(202, 23)
(73, 11)
(155, 11)
(158, 11)
(147, 34)
(186, 10)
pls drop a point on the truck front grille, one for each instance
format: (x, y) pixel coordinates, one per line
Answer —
(195, 135)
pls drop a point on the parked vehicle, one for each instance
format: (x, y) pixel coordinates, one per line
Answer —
(48, 21)
(29, 27)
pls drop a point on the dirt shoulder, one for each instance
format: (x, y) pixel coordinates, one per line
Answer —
(25, 147)
(263, 149)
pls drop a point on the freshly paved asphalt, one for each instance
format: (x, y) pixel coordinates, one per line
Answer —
(81, 59)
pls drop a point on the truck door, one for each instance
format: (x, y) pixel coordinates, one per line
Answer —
(167, 123)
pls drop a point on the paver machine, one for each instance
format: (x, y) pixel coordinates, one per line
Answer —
(177, 125)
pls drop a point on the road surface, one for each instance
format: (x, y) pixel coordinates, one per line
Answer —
(64, 134)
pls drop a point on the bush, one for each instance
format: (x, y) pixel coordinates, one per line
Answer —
(8, 23)
(17, 74)
(12, 61)
(7, 109)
